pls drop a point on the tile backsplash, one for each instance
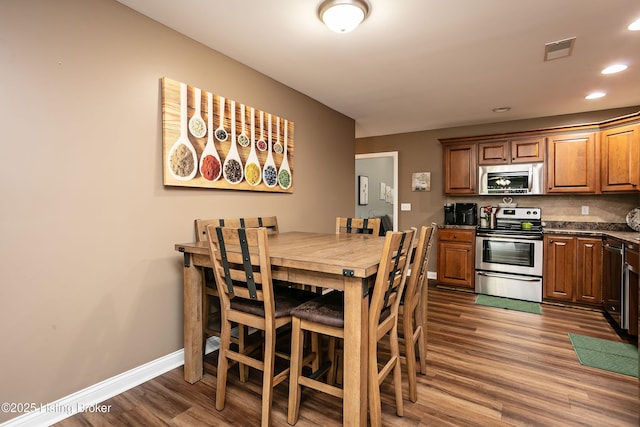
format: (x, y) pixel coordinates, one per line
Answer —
(602, 207)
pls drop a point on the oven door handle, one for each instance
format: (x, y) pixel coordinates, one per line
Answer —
(523, 279)
(509, 237)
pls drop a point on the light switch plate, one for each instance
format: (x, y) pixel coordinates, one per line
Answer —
(405, 206)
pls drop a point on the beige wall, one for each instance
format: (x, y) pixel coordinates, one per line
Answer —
(91, 285)
(422, 152)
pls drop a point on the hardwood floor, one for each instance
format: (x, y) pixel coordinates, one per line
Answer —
(486, 367)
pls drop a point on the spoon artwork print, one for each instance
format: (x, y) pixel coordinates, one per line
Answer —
(213, 142)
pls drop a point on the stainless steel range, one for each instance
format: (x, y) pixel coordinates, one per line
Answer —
(509, 254)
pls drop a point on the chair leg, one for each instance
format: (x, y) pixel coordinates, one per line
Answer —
(331, 354)
(397, 369)
(315, 348)
(422, 348)
(267, 376)
(375, 409)
(295, 372)
(242, 344)
(410, 350)
(223, 364)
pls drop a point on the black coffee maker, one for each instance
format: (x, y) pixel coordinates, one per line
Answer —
(461, 213)
(449, 214)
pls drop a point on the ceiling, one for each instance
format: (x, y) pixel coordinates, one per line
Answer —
(426, 64)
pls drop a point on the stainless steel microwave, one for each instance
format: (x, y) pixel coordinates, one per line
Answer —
(518, 179)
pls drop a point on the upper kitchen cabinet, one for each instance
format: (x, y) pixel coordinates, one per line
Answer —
(460, 168)
(620, 161)
(571, 163)
(590, 158)
(503, 152)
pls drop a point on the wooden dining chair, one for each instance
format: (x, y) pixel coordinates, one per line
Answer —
(325, 315)
(211, 305)
(242, 267)
(412, 310)
(358, 225)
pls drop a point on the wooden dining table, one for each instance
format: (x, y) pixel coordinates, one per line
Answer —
(346, 262)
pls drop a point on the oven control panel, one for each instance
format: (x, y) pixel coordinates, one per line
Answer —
(518, 213)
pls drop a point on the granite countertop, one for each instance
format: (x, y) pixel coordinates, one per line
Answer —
(459, 227)
(597, 229)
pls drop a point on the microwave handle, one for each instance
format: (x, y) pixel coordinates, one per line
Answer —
(530, 178)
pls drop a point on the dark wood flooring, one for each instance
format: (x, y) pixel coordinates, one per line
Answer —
(486, 367)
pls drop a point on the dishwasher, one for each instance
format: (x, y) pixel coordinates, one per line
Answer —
(630, 288)
(613, 279)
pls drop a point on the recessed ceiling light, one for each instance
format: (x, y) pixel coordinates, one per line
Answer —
(635, 25)
(501, 109)
(615, 68)
(595, 95)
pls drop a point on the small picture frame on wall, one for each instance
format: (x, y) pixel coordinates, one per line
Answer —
(363, 190)
(421, 181)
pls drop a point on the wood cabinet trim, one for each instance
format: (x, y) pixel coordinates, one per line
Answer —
(594, 127)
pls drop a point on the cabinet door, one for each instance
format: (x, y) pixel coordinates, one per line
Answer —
(589, 270)
(571, 164)
(493, 153)
(528, 150)
(559, 269)
(455, 264)
(619, 159)
(460, 168)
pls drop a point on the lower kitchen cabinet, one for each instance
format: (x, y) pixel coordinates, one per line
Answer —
(456, 252)
(573, 269)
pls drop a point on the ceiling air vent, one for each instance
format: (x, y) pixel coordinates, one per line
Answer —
(559, 49)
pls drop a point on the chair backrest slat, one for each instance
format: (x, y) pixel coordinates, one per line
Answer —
(269, 222)
(358, 225)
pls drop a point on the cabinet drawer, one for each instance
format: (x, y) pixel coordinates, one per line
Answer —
(466, 236)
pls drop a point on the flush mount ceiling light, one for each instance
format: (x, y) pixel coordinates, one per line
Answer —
(343, 16)
(635, 25)
(595, 95)
(615, 68)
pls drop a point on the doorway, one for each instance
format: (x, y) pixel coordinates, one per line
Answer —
(381, 171)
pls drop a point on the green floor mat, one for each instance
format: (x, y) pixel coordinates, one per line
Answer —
(508, 303)
(604, 354)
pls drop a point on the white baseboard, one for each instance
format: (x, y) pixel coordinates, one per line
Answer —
(89, 399)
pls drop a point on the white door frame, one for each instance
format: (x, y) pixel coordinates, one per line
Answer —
(394, 155)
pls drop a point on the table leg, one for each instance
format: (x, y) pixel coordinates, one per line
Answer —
(356, 316)
(192, 317)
